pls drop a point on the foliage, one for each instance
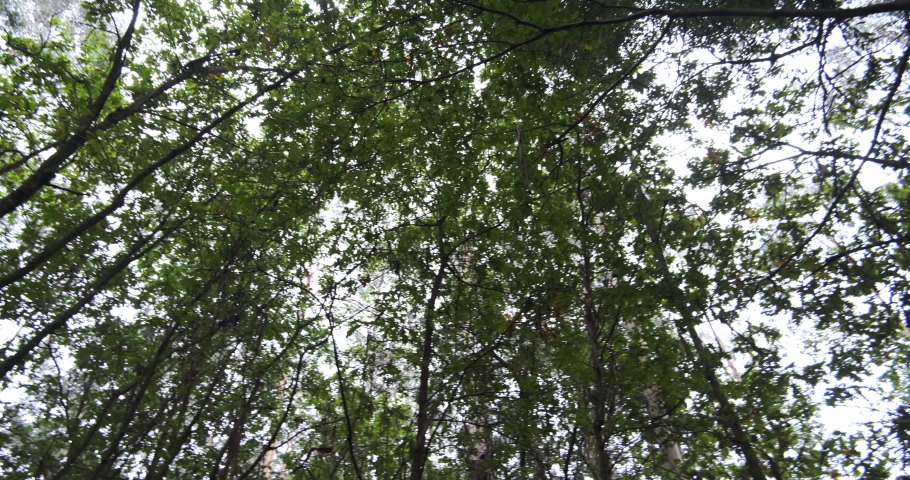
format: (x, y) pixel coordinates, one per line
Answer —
(455, 239)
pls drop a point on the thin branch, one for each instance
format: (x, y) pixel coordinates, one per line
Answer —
(58, 187)
(901, 68)
(60, 320)
(770, 58)
(818, 228)
(899, 165)
(482, 8)
(619, 81)
(119, 200)
(773, 13)
(847, 252)
(12, 166)
(116, 68)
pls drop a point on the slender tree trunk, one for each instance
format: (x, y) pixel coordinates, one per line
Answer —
(728, 416)
(672, 453)
(662, 434)
(421, 451)
(603, 467)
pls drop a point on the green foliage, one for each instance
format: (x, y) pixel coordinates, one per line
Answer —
(390, 239)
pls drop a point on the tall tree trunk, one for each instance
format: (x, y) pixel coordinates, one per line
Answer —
(662, 434)
(603, 469)
(728, 416)
(421, 451)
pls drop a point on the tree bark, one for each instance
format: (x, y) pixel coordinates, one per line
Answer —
(419, 457)
(728, 416)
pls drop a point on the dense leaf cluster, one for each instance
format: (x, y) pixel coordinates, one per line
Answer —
(455, 239)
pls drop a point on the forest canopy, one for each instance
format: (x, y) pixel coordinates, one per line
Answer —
(455, 239)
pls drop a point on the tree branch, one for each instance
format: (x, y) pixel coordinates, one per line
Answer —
(728, 416)
(137, 251)
(119, 199)
(116, 68)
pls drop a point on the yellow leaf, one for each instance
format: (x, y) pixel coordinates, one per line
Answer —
(752, 214)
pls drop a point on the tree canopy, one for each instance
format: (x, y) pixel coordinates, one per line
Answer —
(455, 239)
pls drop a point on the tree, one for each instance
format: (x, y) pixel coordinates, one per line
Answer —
(452, 239)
